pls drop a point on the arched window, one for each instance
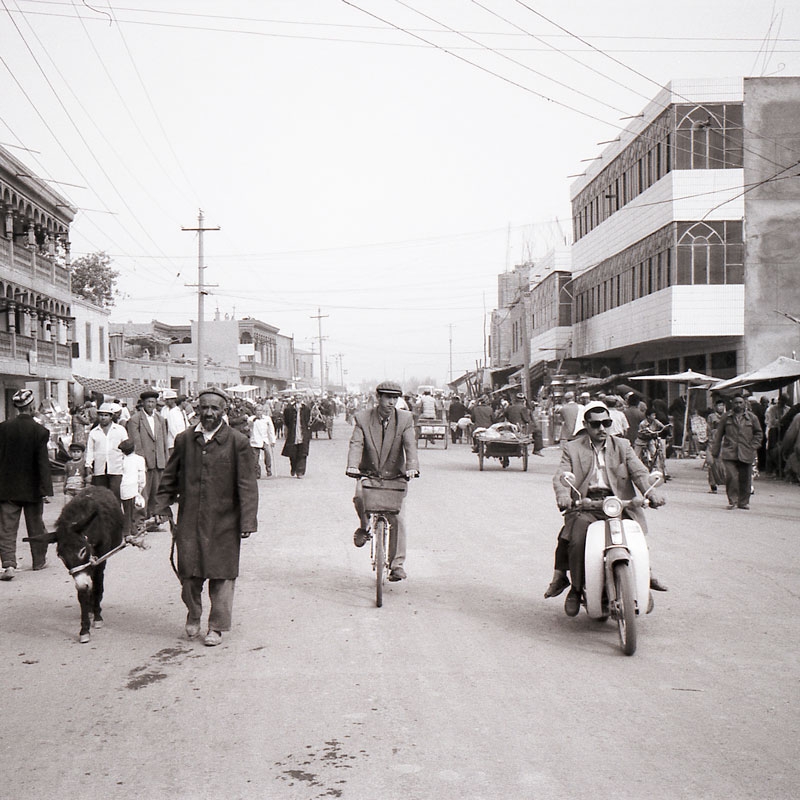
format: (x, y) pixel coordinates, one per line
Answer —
(701, 255)
(700, 140)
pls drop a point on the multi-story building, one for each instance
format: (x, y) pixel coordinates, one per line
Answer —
(90, 346)
(35, 300)
(686, 235)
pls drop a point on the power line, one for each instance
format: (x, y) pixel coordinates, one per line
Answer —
(512, 60)
(250, 32)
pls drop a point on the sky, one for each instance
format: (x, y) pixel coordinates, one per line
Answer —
(380, 160)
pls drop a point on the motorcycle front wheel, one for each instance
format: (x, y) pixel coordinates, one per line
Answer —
(626, 609)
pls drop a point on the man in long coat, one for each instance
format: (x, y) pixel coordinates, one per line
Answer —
(24, 480)
(211, 473)
(383, 445)
(297, 418)
(148, 432)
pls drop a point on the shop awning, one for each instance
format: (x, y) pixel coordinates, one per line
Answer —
(779, 373)
(114, 387)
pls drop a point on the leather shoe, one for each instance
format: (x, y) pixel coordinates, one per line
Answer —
(656, 585)
(572, 605)
(732, 506)
(213, 638)
(360, 537)
(41, 565)
(397, 574)
(557, 585)
(8, 574)
(192, 630)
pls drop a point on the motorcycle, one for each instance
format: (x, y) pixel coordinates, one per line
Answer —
(617, 563)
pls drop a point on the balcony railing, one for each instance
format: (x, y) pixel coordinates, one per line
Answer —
(6, 350)
(63, 355)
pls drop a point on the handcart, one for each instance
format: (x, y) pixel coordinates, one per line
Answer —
(504, 447)
(432, 430)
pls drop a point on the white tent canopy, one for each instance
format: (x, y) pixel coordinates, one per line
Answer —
(242, 389)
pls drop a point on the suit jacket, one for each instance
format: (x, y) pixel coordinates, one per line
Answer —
(291, 447)
(215, 484)
(152, 447)
(388, 454)
(623, 467)
(24, 461)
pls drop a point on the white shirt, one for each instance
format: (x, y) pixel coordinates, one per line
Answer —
(134, 476)
(207, 435)
(151, 421)
(176, 423)
(262, 432)
(599, 476)
(103, 455)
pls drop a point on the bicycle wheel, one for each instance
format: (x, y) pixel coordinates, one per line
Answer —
(380, 559)
(626, 611)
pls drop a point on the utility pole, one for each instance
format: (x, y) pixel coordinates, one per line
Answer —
(319, 317)
(450, 379)
(339, 357)
(201, 296)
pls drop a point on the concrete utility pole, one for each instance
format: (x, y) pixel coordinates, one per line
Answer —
(201, 296)
(450, 379)
(319, 317)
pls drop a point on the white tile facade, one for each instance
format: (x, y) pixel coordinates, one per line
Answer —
(551, 344)
(679, 195)
(679, 311)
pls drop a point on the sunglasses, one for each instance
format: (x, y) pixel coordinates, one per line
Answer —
(596, 423)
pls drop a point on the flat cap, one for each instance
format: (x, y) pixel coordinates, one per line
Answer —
(148, 393)
(214, 390)
(389, 387)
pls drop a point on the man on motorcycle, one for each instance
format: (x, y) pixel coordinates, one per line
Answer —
(383, 445)
(603, 465)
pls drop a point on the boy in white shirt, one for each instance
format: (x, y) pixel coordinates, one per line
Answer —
(262, 439)
(134, 478)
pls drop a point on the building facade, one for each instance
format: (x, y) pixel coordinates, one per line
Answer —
(35, 299)
(686, 236)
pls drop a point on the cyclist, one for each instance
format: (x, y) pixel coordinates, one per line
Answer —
(383, 445)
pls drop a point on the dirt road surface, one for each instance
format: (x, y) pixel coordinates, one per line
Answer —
(467, 684)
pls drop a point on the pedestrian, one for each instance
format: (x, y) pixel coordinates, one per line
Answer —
(568, 413)
(148, 432)
(134, 480)
(455, 412)
(297, 420)
(75, 470)
(211, 473)
(736, 441)
(103, 456)
(619, 421)
(715, 466)
(24, 480)
(634, 414)
(174, 417)
(262, 439)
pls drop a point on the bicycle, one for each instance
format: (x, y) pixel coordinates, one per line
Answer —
(382, 498)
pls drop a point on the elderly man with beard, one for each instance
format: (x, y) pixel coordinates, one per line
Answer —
(211, 473)
(603, 465)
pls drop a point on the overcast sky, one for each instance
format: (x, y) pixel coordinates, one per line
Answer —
(351, 166)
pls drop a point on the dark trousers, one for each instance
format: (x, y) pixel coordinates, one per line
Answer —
(107, 481)
(738, 481)
(132, 518)
(578, 525)
(298, 464)
(153, 478)
(9, 525)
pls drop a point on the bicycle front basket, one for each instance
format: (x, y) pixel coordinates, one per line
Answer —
(383, 495)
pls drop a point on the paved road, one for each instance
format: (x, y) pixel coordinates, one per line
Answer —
(466, 684)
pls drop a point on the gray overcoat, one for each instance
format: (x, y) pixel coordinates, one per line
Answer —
(215, 484)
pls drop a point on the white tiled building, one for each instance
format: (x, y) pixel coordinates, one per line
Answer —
(681, 225)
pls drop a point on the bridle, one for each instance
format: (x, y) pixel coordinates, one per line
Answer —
(94, 561)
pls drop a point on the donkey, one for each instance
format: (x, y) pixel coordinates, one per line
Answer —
(89, 526)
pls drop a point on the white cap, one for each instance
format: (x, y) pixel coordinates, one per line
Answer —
(169, 394)
(107, 408)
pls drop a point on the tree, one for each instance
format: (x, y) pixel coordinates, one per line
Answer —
(94, 280)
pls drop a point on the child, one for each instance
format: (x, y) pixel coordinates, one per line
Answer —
(134, 477)
(75, 470)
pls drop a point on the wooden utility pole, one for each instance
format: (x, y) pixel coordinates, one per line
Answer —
(201, 296)
(450, 379)
(319, 317)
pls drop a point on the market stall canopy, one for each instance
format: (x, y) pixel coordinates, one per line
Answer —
(689, 377)
(781, 372)
(114, 387)
(242, 389)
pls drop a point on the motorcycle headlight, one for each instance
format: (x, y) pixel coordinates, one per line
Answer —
(612, 507)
